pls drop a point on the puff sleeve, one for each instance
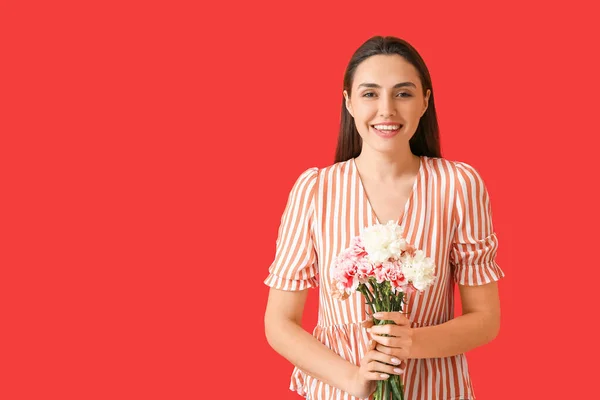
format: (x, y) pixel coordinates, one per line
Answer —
(295, 266)
(473, 251)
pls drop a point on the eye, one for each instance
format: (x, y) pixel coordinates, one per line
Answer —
(401, 94)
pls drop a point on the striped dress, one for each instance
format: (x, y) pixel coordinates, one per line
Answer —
(447, 215)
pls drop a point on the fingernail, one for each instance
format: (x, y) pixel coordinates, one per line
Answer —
(395, 361)
(398, 370)
(377, 315)
(384, 376)
(369, 330)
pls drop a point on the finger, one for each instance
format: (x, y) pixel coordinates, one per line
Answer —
(371, 345)
(376, 376)
(381, 368)
(402, 331)
(374, 355)
(367, 323)
(394, 342)
(398, 352)
(396, 316)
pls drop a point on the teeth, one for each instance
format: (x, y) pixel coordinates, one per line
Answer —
(387, 127)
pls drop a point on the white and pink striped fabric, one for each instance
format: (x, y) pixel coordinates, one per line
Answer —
(448, 215)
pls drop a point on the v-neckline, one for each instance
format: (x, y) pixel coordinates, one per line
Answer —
(409, 200)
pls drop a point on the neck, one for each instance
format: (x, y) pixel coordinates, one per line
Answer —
(385, 166)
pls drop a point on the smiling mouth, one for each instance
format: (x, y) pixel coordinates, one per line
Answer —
(387, 131)
(386, 128)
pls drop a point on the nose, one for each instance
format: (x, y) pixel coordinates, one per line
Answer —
(386, 107)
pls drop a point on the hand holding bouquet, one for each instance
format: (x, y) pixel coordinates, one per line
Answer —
(382, 266)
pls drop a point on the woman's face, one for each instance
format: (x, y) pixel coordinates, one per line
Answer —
(387, 102)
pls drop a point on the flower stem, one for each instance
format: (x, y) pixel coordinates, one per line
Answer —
(369, 296)
(386, 389)
(397, 388)
(379, 391)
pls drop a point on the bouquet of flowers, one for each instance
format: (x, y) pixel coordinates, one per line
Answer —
(384, 268)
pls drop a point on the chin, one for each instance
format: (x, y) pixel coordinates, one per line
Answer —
(387, 148)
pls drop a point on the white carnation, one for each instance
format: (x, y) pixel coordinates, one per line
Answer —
(383, 242)
(419, 270)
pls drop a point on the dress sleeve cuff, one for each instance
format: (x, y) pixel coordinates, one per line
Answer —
(278, 282)
(475, 275)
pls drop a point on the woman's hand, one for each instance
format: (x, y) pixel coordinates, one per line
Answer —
(398, 343)
(374, 367)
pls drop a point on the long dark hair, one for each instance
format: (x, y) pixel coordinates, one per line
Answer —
(426, 140)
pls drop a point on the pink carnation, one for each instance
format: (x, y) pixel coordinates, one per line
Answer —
(381, 271)
(344, 272)
(366, 269)
(396, 277)
(357, 248)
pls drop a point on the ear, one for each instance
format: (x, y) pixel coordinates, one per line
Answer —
(348, 103)
(426, 101)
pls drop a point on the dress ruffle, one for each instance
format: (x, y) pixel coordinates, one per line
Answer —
(282, 283)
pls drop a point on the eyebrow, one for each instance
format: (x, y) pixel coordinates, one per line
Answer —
(397, 85)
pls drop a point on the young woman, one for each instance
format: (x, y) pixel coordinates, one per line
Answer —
(388, 166)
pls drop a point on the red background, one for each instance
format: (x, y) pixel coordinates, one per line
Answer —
(148, 150)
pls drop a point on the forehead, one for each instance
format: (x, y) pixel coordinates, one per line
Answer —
(386, 70)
